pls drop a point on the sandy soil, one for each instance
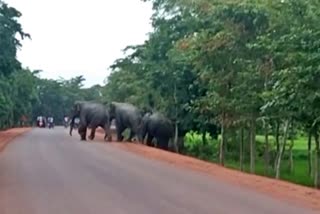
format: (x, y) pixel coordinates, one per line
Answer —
(283, 190)
(7, 136)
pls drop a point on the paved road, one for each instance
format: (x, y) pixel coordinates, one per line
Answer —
(48, 172)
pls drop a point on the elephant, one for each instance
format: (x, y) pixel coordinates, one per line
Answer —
(156, 125)
(126, 116)
(92, 115)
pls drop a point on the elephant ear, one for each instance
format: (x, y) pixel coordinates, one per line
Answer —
(111, 106)
(77, 107)
(112, 110)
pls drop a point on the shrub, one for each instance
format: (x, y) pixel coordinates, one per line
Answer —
(195, 146)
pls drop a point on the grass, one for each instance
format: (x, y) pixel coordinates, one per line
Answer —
(299, 175)
(300, 143)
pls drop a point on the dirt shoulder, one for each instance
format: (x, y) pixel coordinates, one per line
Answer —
(8, 135)
(283, 190)
(304, 196)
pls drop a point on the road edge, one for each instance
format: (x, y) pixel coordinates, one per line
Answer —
(287, 191)
(283, 190)
(7, 136)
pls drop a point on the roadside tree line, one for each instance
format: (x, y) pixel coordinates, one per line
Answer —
(236, 70)
(23, 94)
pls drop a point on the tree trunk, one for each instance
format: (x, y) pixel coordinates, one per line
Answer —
(277, 135)
(241, 148)
(266, 154)
(252, 146)
(234, 138)
(317, 161)
(204, 139)
(223, 138)
(309, 153)
(291, 166)
(176, 134)
(285, 134)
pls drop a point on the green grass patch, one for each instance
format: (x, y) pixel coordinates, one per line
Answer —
(298, 175)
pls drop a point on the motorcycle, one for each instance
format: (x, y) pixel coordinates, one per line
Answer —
(66, 124)
(51, 125)
(41, 124)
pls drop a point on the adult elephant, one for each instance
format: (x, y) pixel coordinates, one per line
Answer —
(126, 116)
(156, 125)
(92, 115)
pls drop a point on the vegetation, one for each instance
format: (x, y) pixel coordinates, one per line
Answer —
(23, 94)
(249, 69)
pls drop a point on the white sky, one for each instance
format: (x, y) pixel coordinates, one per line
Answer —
(80, 37)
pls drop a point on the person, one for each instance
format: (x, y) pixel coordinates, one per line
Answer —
(66, 119)
(40, 121)
(76, 122)
(50, 121)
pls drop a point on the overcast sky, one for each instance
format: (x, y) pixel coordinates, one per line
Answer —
(80, 37)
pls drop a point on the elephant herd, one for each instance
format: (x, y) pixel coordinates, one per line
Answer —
(153, 125)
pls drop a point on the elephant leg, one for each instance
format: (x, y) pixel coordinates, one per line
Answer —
(137, 133)
(92, 134)
(120, 129)
(107, 131)
(149, 140)
(142, 134)
(82, 130)
(162, 143)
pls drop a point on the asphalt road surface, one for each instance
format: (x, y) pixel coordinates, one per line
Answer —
(48, 172)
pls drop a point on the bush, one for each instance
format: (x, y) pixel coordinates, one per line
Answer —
(194, 146)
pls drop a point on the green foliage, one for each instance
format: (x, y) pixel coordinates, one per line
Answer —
(9, 28)
(248, 65)
(56, 97)
(194, 146)
(22, 92)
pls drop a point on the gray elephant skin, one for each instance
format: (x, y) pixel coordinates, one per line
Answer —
(156, 125)
(92, 115)
(126, 116)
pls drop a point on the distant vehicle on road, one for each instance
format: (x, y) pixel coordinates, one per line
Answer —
(41, 122)
(76, 123)
(66, 121)
(50, 123)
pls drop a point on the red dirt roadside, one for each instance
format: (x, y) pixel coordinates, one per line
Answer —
(8, 135)
(282, 190)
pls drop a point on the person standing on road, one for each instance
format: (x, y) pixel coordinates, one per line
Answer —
(50, 121)
(66, 119)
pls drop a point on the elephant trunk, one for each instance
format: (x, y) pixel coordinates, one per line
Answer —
(71, 125)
